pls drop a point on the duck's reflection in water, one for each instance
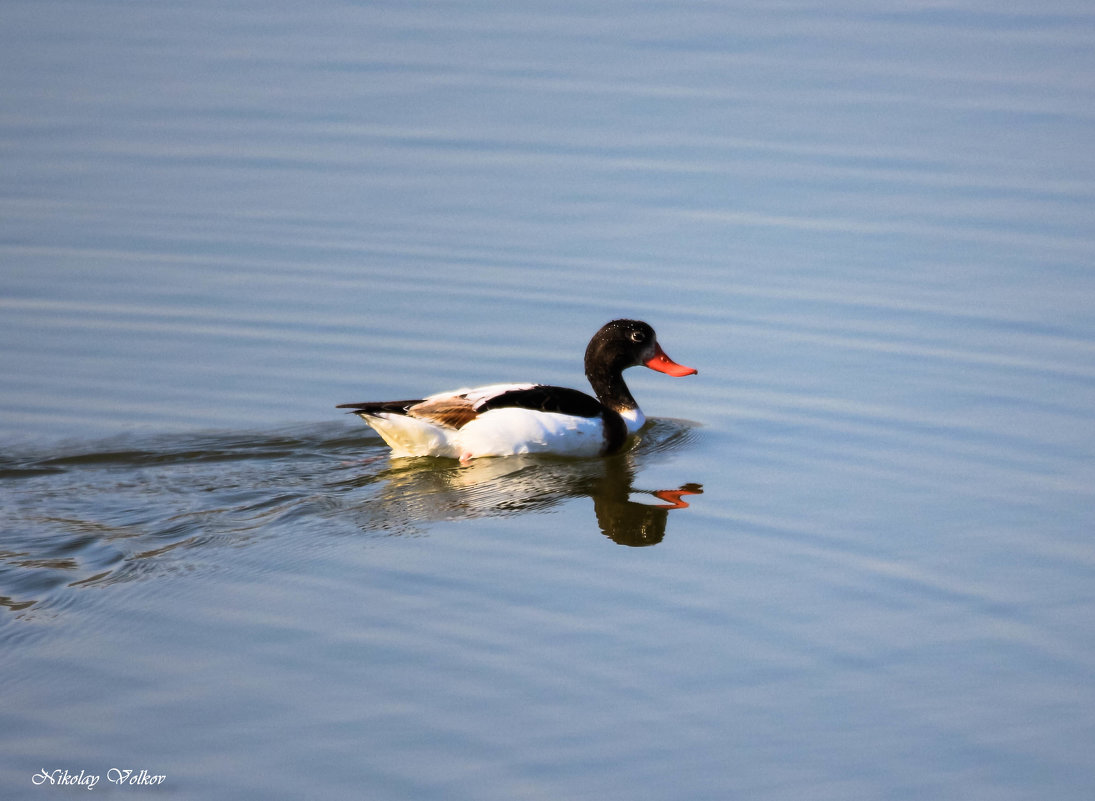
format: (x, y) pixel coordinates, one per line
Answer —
(409, 492)
(631, 522)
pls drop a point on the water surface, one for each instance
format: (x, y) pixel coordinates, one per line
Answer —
(851, 558)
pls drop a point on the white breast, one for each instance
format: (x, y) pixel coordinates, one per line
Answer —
(634, 418)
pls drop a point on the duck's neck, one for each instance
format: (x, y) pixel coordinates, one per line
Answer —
(610, 389)
(612, 392)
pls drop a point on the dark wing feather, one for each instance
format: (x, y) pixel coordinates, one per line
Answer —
(543, 398)
(372, 407)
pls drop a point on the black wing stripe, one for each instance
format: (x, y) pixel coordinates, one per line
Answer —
(372, 407)
(545, 399)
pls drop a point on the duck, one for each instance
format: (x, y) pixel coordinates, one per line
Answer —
(510, 419)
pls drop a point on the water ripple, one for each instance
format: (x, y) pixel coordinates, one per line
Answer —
(133, 508)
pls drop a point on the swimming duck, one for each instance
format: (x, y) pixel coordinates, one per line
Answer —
(507, 419)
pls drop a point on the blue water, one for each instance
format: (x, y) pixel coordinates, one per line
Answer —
(871, 229)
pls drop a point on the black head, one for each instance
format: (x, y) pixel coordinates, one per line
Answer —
(620, 344)
(628, 343)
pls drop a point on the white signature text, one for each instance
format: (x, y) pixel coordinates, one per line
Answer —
(119, 776)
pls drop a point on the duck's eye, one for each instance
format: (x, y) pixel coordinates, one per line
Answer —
(637, 337)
